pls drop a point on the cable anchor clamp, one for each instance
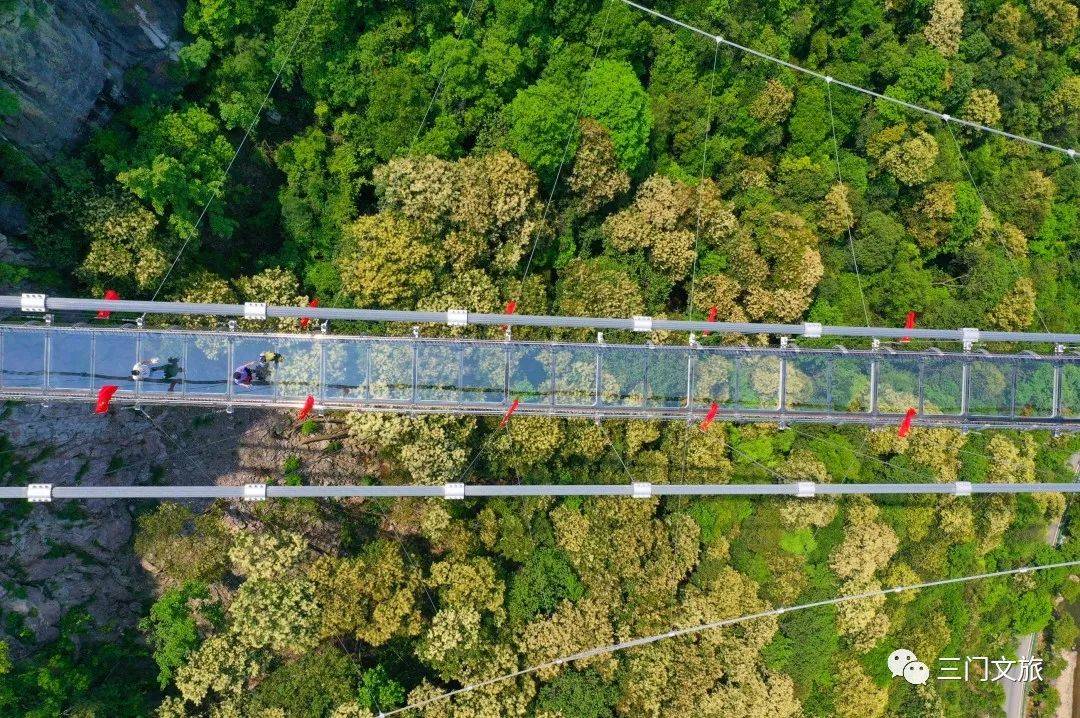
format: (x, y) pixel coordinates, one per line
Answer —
(454, 491)
(641, 490)
(254, 492)
(32, 302)
(39, 493)
(255, 310)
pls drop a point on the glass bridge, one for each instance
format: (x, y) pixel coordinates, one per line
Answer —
(971, 389)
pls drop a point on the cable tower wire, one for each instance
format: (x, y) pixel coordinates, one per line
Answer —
(856, 88)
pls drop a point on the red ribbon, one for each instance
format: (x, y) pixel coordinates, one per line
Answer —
(305, 410)
(509, 412)
(511, 307)
(905, 425)
(707, 422)
(710, 318)
(909, 323)
(304, 321)
(110, 294)
(104, 396)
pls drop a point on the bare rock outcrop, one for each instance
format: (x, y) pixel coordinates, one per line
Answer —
(71, 63)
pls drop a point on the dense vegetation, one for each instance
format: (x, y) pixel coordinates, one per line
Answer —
(688, 170)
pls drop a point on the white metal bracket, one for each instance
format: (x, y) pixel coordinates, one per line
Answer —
(254, 492)
(454, 491)
(642, 324)
(806, 489)
(32, 302)
(641, 490)
(39, 493)
(457, 317)
(255, 310)
(962, 488)
(969, 336)
(812, 330)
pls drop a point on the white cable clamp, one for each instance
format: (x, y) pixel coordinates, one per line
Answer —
(641, 490)
(642, 324)
(32, 302)
(457, 317)
(811, 330)
(946, 117)
(969, 336)
(962, 488)
(255, 310)
(39, 493)
(454, 491)
(806, 489)
(254, 492)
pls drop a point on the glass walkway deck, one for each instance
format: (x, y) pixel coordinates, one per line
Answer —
(53, 363)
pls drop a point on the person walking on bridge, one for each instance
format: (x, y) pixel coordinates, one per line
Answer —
(170, 369)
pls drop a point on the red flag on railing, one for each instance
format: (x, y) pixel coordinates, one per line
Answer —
(309, 404)
(304, 321)
(707, 422)
(905, 425)
(909, 323)
(104, 396)
(110, 294)
(509, 412)
(511, 307)
(710, 318)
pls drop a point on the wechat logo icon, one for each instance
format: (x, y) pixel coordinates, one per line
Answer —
(903, 662)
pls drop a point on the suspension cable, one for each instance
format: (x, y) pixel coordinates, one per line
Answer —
(840, 184)
(701, 628)
(807, 71)
(239, 147)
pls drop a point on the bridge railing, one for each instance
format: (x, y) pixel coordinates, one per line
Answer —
(476, 376)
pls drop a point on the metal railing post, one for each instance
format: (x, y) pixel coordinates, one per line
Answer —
(1055, 410)
(322, 368)
(781, 389)
(875, 374)
(47, 353)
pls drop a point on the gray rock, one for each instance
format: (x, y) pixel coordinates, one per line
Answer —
(13, 218)
(67, 61)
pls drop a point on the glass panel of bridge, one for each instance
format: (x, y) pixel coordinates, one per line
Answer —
(114, 355)
(1034, 388)
(391, 370)
(667, 377)
(483, 375)
(530, 373)
(575, 375)
(713, 378)
(759, 381)
(206, 365)
(622, 376)
(71, 359)
(807, 380)
(24, 358)
(898, 383)
(850, 383)
(990, 388)
(346, 367)
(942, 381)
(1070, 388)
(437, 369)
(165, 353)
(246, 352)
(297, 375)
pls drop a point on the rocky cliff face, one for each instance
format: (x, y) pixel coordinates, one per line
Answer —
(69, 63)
